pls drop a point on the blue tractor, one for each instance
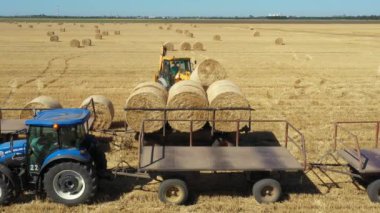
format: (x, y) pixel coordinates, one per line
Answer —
(58, 158)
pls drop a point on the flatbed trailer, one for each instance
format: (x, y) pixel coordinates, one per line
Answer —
(362, 164)
(172, 162)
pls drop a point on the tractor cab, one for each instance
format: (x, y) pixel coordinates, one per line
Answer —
(173, 70)
(58, 156)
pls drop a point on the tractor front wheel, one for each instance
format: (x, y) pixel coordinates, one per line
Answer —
(70, 183)
(6, 190)
(373, 191)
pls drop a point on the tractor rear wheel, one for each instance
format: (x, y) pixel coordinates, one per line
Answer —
(6, 190)
(373, 191)
(266, 190)
(70, 183)
(173, 191)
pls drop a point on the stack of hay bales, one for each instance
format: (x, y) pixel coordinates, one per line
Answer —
(217, 38)
(75, 43)
(54, 38)
(86, 42)
(207, 72)
(198, 46)
(187, 94)
(185, 46)
(169, 46)
(146, 95)
(42, 102)
(104, 111)
(98, 36)
(226, 94)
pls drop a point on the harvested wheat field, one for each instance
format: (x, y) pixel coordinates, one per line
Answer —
(324, 73)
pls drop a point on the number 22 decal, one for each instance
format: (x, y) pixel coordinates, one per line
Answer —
(33, 167)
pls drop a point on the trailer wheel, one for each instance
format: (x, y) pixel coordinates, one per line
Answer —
(6, 190)
(173, 191)
(266, 191)
(373, 191)
(70, 183)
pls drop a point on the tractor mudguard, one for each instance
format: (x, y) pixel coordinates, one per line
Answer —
(66, 154)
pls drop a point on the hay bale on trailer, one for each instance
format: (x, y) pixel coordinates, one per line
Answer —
(86, 42)
(104, 111)
(185, 46)
(279, 41)
(217, 38)
(147, 95)
(198, 46)
(226, 94)
(98, 36)
(187, 94)
(54, 38)
(41, 102)
(169, 46)
(208, 71)
(50, 33)
(75, 43)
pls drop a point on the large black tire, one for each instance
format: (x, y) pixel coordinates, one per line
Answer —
(373, 191)
(266, 191)
(70, 183)
(173, 191)
(6, 190)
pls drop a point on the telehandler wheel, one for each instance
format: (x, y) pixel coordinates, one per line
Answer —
(6, 190)
(70, 183)
(173, 191)
(373, 191)
(266, 190)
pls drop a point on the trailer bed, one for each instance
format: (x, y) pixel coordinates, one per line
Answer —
(370, 159)
(179, 158)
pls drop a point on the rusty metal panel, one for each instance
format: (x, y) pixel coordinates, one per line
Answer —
(179, 158)
(370, 159)
(11, 125)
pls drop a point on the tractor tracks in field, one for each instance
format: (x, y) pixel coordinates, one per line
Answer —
(63, 72)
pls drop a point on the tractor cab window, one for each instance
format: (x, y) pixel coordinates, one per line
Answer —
(42, 141)
(72, 136)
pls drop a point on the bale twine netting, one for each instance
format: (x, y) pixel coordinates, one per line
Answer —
(169, 46)
(104, 111)
(226, 94)
(187, 95)
(185, 46)
(198, 46)
(41, 102)
(86, 42)
(208, 71)
(146, 96)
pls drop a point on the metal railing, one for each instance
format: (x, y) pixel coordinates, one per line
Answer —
(288, 126)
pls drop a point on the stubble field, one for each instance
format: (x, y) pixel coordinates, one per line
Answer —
(323, 73)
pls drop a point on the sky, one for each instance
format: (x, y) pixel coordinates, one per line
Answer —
(189, 7)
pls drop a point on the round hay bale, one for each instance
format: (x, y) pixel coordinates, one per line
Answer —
(160, 28)
(96, 26)
(256, 34)
(97, 31)
(105, 33)
(86, 42)
(185, 46)
(49, 25)
(31, 26)
(198, 46)
(146, 95)
(279, 41)
(54, 38)
(104, 111)
(19, 25)
(42, 102)
(169, 28)
(179, 31)
(186, 31)
(117, 32)
(217, 38)
(187, 94)
(62, 30)
(208, 71)
(50, 33)
(98, 36)
(226, 94)
(169, 46)
(191, 35)
(81, 25)
(75, 43)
